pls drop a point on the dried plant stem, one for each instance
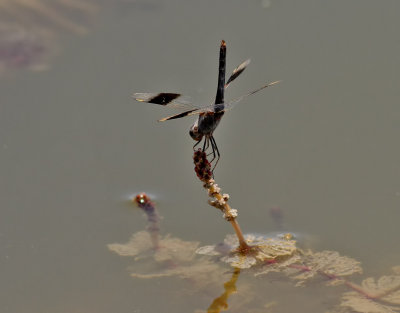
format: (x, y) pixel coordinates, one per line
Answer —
(243, 246)
(234, 223)
(220, 202)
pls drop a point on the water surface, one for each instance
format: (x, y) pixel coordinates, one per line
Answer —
(322, 145)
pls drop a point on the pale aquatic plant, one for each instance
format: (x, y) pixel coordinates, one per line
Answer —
(172, 258)
(380, 295)
(263, 250)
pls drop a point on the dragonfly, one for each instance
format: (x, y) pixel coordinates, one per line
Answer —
(209, 116)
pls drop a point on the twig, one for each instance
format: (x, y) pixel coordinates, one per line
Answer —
(218, 200)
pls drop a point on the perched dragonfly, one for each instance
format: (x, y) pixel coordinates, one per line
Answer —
(208, 116)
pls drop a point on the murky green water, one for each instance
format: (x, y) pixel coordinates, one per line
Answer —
(322, 145)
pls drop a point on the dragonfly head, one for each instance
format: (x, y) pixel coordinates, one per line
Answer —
(194, 132)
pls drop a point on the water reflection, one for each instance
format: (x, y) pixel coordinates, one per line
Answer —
(21, 48)
(29, 30)
(221, 303)
(71, 15)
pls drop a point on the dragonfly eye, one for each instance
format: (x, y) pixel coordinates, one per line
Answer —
(193, 132)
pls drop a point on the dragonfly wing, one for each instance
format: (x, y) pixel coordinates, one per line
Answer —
(237, 71)
(165, 99)
(179, 115)
(228, 105)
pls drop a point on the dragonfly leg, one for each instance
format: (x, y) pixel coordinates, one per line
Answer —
(196, 144)
(209, 141)
(213, 149)
(215, 152)
(206, 143)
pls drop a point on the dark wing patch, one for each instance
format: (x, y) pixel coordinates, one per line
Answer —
(237, 71)
(163, 98)
(183, 114)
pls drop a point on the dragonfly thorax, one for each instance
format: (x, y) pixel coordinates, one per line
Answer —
(205, 125)
(194, 132)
